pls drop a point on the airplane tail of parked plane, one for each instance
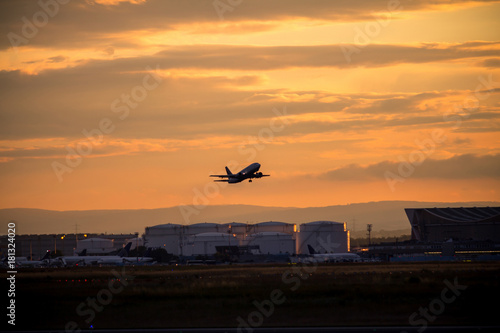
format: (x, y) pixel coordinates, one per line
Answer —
(311, 249)
(146, 258)
(124, 252)
(46, 256)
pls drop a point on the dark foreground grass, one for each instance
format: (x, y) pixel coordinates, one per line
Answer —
(258, 295)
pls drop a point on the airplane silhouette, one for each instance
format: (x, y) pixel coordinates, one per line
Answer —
(249, 173)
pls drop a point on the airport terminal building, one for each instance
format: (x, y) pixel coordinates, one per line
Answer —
(446, 234)
(442, 224)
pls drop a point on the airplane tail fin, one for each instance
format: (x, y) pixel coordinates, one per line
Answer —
(229, 173)
(128, 246)
(311, 249)
(124, 252)
(83, 253)
(46, 256)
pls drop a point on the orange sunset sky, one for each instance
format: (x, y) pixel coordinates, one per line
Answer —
(133, 104)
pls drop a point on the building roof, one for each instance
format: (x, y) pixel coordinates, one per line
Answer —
(166, 226)
(203, 224)
(322, 222)
(212, 234)
(235, 224)
(273, 223)
(461, 214)
(96, 240)
(270, 234)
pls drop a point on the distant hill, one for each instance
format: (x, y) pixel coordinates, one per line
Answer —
(385, 216)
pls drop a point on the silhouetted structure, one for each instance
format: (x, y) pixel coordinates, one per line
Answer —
(441, 224)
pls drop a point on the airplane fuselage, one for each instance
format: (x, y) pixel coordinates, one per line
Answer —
(245, 173)
(337, 257)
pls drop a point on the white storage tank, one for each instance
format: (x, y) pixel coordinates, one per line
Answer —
(272, 226)
(237, 229)
(96, 245)
(270, 242)
(324, 237)
(167, 236)
(135, 242)
(205, 243)
(201, 228)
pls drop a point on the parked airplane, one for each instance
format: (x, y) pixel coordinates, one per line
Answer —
(248, 173)
(5, 261)
(83, 259)
(116, 259)
(334, 257)
(80, 258)
(24, 262)
(144, 259)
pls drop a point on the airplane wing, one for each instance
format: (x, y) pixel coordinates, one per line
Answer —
(258, 175)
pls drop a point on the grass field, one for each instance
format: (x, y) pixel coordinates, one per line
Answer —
(416, 294)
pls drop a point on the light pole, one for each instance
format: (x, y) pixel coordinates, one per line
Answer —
(137, 246)
(31, 251)
(62, 238)
(369, 229)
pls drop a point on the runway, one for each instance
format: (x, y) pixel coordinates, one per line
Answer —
(434, 297)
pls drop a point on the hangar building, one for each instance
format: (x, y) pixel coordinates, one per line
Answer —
(441, 224)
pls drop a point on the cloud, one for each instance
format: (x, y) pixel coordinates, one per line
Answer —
(64, 102)
(56, 149)
(68, 25)
(56, 59)
(283, 57)
(466, 166)
(211, 57)
(491, 63)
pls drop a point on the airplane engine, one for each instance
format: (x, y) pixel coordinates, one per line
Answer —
(258, 175)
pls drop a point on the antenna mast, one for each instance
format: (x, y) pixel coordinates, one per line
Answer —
(369, 229)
